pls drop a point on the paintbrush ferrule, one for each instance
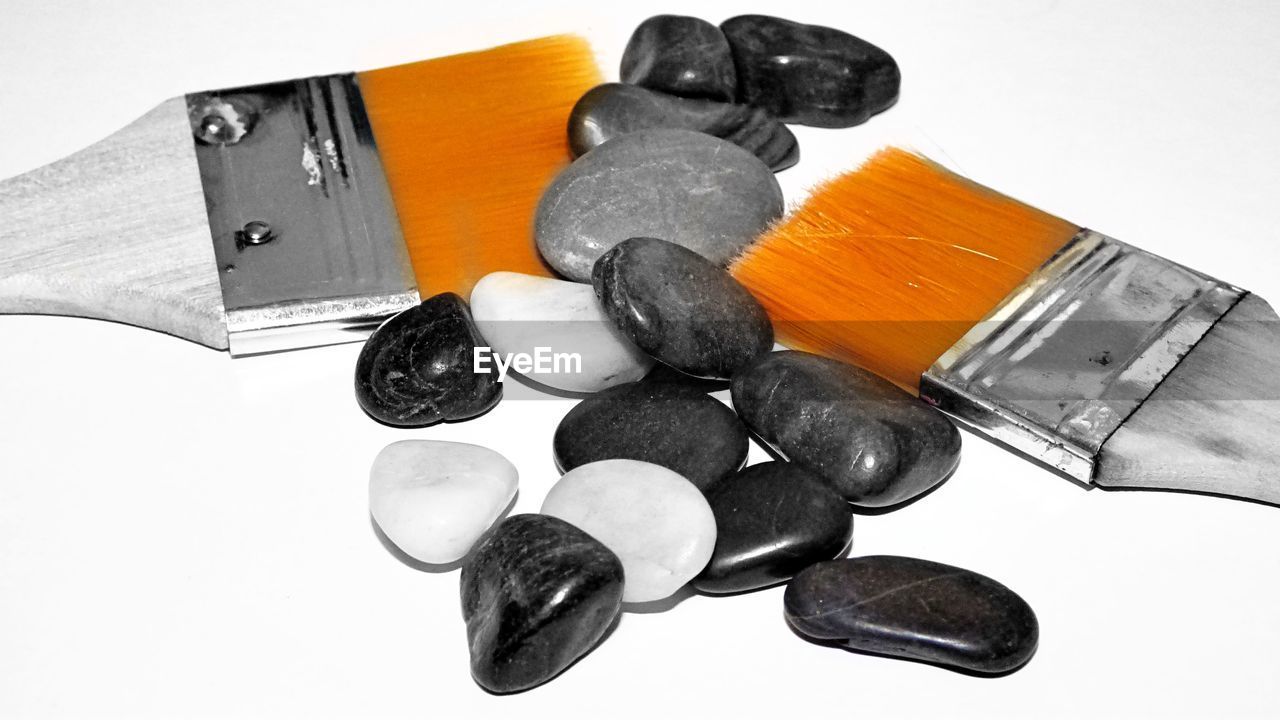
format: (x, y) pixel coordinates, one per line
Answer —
(1058, 366)
(308, 245)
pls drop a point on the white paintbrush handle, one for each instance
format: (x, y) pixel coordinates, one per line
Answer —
(117, 231)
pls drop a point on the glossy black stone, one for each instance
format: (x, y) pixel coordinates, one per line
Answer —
(868, 439)
(680, 55)
(681, 308)
(914, 609)
(537, 594)
(613, 109)
(667, 424)
(416, 369)
(772, 521)
(810, 74)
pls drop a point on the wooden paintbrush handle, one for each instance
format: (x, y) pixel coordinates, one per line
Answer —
(117, 231)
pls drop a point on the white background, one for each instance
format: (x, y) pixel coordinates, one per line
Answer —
(182, 534)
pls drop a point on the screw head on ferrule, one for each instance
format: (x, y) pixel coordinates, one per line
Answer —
(256, 232)
(217, 120)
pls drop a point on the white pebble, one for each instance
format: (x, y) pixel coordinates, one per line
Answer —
(517, 314)
(434, 499)
(655, 521)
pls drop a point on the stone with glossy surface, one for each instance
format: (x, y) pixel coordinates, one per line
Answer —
(613, 109)
(519, 313)
(537, 594)
(672, 425)
(656, 521)
(868, 439)
(434, 499)
(416, 368)
(681, 55)
(680, 308)
(695, 190)
(810, 74)
(772, 521)
(914, 609)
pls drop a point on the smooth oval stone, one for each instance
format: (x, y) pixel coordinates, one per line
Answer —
(869, 440)
(655, 520)
(810, 74)
(914, 609)
(772, 521)
(434, 499)
(695, 190)
(680, 308)
(667, 424)
(519, 313)
(537, 594)
(613, 109)
(681, 55)
(417, 368)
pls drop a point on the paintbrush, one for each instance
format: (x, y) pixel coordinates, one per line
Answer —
(304, 212)
(1101, 361)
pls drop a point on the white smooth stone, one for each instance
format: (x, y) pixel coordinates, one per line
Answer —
(518, 313)
(434, 499)
(655, 521)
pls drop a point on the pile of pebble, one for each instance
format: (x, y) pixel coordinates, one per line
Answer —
(654, 495)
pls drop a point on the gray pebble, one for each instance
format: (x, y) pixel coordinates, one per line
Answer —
(613, 109)
(868, 439)
(687, 187)
(681, 55)
(680, 308)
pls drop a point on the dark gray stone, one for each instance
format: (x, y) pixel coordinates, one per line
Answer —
(681, 55)
(416, 369)
(667, 424)
(680, 308)
(869, 440)
(613, 109)
(914, 609)
(772, 521)
(537, 594)
(693, 189)
(810, 74)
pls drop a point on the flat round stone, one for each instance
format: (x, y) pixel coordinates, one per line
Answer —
(434, 499)
(668, 424)
(868, 439)
(613, 109)
(416, 368)
(810, 74)
(655, 520)
(688, 187)
(681, 55)
(772, 521)
(537, 594)
(560, 326)
(680, 308)
(914, 609)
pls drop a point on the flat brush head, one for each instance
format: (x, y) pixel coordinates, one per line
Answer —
(889, 265)
(468, 144)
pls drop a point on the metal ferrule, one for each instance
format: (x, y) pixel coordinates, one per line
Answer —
(308, 245)
(1055, 369)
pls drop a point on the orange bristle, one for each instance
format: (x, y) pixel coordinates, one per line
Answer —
(889, 265)
(468, 143)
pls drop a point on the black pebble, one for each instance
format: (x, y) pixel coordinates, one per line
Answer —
(772, 521)
(914, 609)
(667, 424)
(810, 74)
(537, 594)
(681, 55)
(681, 308)
(613, 109)
(868, 439)
(417, 368)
